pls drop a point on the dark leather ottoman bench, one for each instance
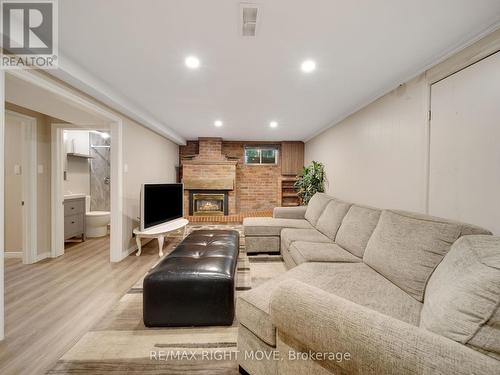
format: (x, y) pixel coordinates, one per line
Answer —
(194, 285)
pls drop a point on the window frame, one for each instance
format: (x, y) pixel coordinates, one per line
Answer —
(260, 148)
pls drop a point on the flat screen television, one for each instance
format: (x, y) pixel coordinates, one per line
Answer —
(160, 203)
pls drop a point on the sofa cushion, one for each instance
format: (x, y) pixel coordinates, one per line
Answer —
(463, 296)
(290, 212)
(316, 206)
(465, 229)
(302, 252)
(357, 228)
(406, 250)
(353, 281)
(268, 226)
(289, 235)
(331, 218)
(262, 244)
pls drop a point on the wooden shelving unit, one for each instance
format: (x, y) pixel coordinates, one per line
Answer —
(292, 162)
(289, 196)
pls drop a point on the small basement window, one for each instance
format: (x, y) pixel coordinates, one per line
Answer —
(261, 155)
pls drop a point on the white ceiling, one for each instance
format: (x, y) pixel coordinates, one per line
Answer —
(136, 49)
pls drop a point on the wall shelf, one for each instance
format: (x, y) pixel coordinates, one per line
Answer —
(289, 197)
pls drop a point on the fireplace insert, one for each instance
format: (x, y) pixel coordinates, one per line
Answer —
(207, 203)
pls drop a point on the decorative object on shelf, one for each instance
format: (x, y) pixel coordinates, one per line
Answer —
(310, 181)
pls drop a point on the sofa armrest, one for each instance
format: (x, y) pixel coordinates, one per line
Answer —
(377, 344)
(290, 212)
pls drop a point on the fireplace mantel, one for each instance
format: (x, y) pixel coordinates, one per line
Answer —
(208, 184)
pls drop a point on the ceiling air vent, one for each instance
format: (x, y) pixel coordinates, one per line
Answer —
(249, 14)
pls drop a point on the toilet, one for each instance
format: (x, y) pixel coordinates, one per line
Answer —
(96, 222)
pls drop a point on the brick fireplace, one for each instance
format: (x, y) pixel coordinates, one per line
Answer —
(214, 164)
(209, 176)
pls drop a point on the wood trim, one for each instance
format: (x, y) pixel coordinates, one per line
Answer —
(292, 158)
(13, 254)
(468, 56)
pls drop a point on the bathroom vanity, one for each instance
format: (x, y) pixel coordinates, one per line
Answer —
(74, 217)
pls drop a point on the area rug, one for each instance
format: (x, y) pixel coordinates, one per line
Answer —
(121, 344)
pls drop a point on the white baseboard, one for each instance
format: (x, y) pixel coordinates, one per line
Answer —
(13, 254)
(42, 256)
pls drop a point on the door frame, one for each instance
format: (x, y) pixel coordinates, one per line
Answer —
(115, 124)
(30, 186)
(57, 184)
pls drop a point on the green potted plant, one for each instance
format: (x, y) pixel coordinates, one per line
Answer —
(311, 181)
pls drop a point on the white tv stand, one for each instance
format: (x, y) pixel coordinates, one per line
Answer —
(159, 232)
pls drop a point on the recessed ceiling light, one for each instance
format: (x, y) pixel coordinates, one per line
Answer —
(308, 66)
(273, 124)
(192, 62)
(218, 123)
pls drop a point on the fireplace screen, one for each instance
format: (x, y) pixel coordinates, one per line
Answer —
(208, 203)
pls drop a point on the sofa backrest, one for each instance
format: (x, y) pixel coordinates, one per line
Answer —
(331, 218)
(462, 298)
(407, 247)
(357, 228)
(316, 206)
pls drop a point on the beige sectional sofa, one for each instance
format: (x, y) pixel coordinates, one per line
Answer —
(371, 291)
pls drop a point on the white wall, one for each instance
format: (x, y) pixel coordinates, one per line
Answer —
(377, 156)
(148, 159)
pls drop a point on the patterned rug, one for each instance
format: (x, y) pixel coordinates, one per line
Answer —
(121, 344)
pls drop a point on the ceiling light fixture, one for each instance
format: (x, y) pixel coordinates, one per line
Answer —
(308, 66)
(273, 124)
(218, 123)
(192, 62)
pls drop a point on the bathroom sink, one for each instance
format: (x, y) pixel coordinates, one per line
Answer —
(73, 196)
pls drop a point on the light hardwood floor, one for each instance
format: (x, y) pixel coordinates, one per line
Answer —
(51, 304)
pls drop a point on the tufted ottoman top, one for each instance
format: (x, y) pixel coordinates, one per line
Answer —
(212, 253)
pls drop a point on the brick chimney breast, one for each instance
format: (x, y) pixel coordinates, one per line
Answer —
(210, 149)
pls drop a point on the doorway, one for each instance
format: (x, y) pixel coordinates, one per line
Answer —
(20, 187)
(75, 145)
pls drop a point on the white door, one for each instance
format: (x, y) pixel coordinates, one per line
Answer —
(464, 179)
(20, 216)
